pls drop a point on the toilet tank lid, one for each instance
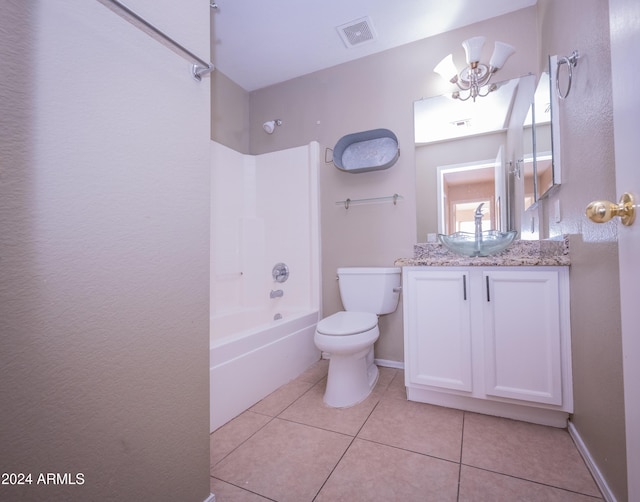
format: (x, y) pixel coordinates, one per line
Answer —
(369, 270)
(347, 323)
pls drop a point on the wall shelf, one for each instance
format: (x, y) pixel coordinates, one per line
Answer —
(347, 203)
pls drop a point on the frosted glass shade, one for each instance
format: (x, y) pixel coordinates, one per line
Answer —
(473, 49)
(501, 53)
(446, 68)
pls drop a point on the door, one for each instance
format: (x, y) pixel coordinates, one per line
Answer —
(522, 335)
(625, 39)
(437, 317)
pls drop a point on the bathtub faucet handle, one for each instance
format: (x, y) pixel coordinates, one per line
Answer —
(276, 293)
(280, 272)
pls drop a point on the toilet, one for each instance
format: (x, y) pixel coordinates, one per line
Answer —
(348, 336)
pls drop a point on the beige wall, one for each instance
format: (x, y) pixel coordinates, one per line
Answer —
(229, 113)
(588, 174)
(104, 254)
(378, 91)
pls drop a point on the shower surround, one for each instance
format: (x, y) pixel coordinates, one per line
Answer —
(264, 211)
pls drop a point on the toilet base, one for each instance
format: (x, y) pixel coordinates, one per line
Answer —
(350, 379)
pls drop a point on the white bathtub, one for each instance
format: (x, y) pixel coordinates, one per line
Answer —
(251, 355)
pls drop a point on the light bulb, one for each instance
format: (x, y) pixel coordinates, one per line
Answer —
(446, 68)
(473, 49)
(501, 53)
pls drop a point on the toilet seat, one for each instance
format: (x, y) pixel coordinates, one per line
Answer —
(347, 323)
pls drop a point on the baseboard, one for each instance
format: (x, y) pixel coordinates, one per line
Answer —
(379, 362)
(210, 498)
(389, 364)
(532, 414)
(591, 465)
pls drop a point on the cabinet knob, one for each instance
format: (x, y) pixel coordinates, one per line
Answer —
(601, 211)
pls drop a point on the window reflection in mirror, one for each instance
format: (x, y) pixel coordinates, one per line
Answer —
(461, 190)
(463, 219)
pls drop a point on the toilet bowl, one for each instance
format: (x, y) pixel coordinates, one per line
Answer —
(348, 336)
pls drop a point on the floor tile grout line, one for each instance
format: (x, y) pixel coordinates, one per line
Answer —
(331, 430)
(286, 407)
(244, 489)
(364, 422)
(434, 457)
(294, 401)
(291, 421)
(345, 451)
(271, 419)
(595, 497)
(323, 428)
(464, 415)
(334, 467)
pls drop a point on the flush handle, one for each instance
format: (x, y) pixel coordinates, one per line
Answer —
(601, 211)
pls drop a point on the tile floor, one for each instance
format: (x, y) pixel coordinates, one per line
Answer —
(291, 447)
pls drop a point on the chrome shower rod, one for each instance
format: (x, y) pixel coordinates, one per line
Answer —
(200, 67)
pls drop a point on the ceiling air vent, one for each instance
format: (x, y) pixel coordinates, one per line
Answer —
(461, 123)
(357, 32)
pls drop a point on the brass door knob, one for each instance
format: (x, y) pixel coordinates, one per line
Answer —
(601, 211)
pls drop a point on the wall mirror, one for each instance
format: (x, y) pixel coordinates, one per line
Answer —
(464, 156)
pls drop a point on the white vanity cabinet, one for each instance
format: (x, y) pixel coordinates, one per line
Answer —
(437, 310)
(489, 339)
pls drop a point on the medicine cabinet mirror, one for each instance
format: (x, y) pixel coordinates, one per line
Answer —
(541, 165)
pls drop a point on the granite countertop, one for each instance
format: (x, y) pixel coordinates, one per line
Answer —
(552, 252)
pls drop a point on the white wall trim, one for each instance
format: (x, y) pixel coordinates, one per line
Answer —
(380, 362)
(591, 465)
(389, 364)
(210, 498)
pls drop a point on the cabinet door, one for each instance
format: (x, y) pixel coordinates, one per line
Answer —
(438, 341)
(522, 336)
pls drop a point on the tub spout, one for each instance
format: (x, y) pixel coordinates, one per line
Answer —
(276, 293)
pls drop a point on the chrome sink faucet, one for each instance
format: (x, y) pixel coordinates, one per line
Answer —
(276, 293)
(478, 222)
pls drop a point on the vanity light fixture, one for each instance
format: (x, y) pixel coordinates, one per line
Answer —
(476, 74)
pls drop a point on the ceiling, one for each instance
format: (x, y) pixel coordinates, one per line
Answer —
(257, 43)
(442, 118)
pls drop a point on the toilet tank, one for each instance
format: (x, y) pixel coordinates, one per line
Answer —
(370, 289)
